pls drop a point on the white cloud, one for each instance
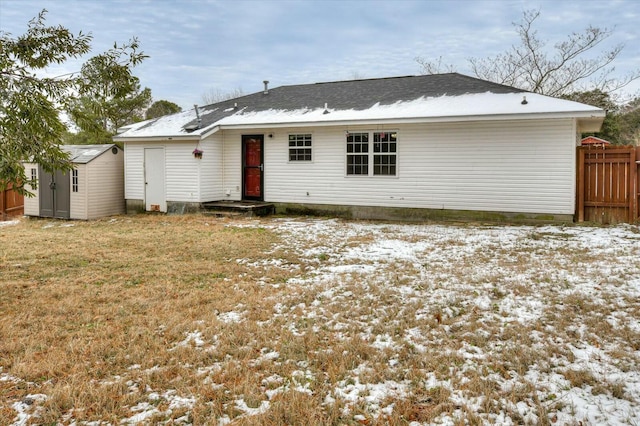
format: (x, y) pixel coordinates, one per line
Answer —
(196, 45)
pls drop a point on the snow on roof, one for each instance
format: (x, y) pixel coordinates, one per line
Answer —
(470, 105)
(82, 154)
(168, 125)
(444, 97)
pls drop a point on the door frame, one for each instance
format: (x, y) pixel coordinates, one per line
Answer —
(155, 201)
(244, 166)
(54, 196)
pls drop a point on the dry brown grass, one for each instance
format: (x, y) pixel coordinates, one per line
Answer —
(120, 316)
(83, 303)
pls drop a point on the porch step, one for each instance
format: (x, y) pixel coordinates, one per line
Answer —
(238, 208)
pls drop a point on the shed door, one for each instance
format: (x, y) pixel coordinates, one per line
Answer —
(54, 194)
(252, 167)
(154, 184)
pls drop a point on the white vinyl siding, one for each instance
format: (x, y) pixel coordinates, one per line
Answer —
(516, 166)
(105, 181)
(232, 162)
(78, 200)
(524, 166)
(181, 167)
(211, 169)
(134, 170)
(188, 179)
(182, 171)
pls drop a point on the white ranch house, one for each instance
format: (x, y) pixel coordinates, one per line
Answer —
(403, 146)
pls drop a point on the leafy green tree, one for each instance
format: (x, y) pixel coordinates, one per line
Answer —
(630, 123)
(621, 125)
(79, 138)
(160, 108)
(30, 104)
(109, 94)
(610, 130)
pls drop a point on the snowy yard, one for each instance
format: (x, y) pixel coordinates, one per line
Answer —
(320, 322)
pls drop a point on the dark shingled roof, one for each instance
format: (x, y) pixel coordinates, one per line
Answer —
(351, 94)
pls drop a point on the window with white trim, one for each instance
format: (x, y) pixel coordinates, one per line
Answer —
(357, 153)
(74, 180)
(34, 174)
(384, 153)
(378, 149)
(300, 147)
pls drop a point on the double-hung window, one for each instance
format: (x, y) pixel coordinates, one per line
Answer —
(300, 147)
(358, 153)
(372, 153)
(74, 180)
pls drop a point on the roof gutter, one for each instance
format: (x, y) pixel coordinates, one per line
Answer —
(588, 116)
(592, 115)
(126, 139)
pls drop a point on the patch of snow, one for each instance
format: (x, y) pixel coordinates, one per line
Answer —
(230, 317)
(27, 408)
(194, 336)
(242, 406)
(146, 411)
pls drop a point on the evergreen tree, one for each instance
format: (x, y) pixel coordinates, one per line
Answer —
(109, 94)
(160, 108)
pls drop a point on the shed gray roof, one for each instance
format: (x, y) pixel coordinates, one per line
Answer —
(82, 154)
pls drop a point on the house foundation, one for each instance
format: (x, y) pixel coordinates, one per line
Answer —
(405, 214)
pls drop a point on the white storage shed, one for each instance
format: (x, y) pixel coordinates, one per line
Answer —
(94, 188)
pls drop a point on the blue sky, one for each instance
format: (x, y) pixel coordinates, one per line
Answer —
(198, 46)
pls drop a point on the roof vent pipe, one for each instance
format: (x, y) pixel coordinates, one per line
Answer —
(266, 87)
(197, 115)
(524, 100)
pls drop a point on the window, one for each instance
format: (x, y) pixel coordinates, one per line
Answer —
(376, 148)
(34, 175)
(384, 154)
(300, 147)
(357, 153)
(74, 180)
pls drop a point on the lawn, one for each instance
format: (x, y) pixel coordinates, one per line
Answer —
(154, 319)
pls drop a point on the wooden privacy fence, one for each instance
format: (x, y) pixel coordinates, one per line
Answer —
(11, 203)
(608, 184)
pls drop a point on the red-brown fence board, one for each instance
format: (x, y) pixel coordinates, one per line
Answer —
(607, 184)
(11, 204)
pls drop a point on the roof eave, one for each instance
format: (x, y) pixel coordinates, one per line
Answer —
(587, 121)
(126, 139)
(591, 118)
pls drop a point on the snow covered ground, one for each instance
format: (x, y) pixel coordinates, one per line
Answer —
(488, 324)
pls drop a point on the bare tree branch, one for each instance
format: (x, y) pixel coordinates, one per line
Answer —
(434, 67)
(567, 69)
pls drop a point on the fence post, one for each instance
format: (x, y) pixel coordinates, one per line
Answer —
(580, 186)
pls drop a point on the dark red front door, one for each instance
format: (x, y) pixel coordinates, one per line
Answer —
(252, 167)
